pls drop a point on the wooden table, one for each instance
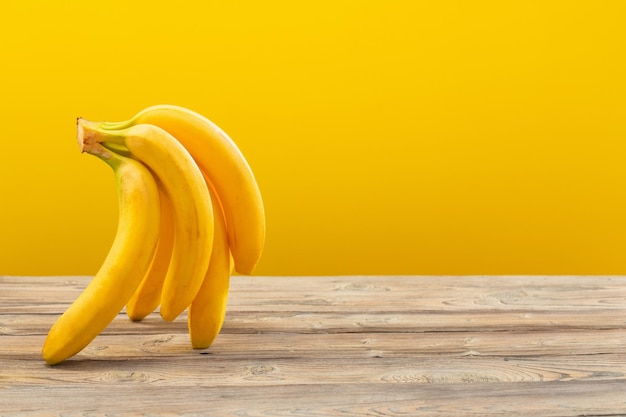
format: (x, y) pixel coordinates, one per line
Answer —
(344, 346)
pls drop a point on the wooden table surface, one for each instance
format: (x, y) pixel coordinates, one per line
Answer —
(335, 346)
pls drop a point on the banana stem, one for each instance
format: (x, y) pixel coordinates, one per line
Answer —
(91, 139)
(87, 140)
(116, 125)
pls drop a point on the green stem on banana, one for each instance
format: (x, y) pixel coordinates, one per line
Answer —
(87, 138)
(116, 125)
(94, 139)
(88, 142)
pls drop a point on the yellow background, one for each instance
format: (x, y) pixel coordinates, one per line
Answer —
(388, 137)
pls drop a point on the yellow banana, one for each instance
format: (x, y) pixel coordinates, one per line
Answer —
(125, 264)
(207, 311)
(227, 170)
(191, 204)
(147, 297)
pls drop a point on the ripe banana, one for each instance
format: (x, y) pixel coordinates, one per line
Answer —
(185, 187)
(227, 170)
(147, 297)
(206, 313)
(125, 264)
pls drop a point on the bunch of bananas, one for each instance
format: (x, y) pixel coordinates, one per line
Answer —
(190, 212)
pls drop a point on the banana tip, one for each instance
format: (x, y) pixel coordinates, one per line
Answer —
(49, 357)
(167, 315)
(245, 269)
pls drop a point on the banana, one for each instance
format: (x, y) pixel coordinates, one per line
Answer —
(147, 297)
(185, 187)
(227, 170)
(126, 263)
(206, 313)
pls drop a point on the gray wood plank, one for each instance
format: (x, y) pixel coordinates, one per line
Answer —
(555, 399)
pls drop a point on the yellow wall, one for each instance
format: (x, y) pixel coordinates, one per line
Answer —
(402, 137)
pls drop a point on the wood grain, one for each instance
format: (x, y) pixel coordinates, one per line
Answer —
(324, 346)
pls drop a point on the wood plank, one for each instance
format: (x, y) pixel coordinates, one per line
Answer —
(110, 361)
(603, 398)
(310, 322)
(182, 366)
(369, 282)
(343, 345)
(505, 289)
